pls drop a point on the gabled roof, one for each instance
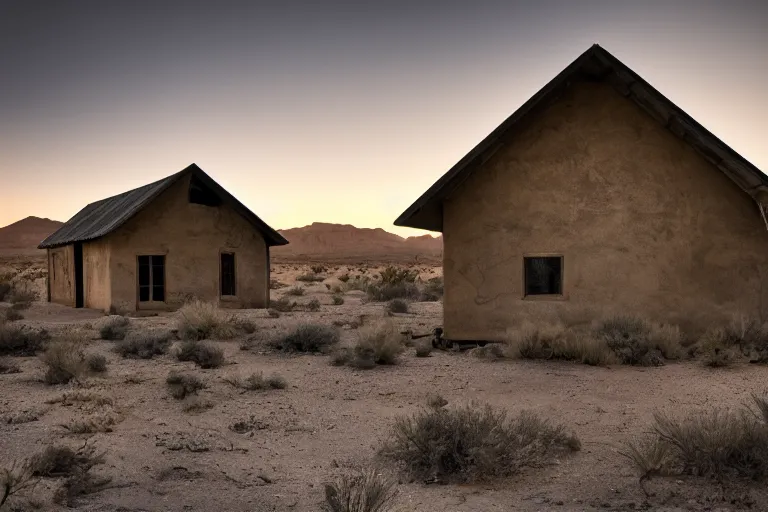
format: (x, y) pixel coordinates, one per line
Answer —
(103, 217)
(596, 64)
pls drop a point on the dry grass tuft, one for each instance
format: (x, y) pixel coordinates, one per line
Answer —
(474, 443)
(397, 306)
(202, 354)
(144, 345)
(21, 341)
(636, 341)
(197, 406)
(97, 363)
(308, 338)
(310, 278)
(65, 361)
(296, 291)
(365, 491)
(337, 300)
(719, 443)
(722, 346)
(114, 328)
(313, 305)
(257, 382)
(182, 385)
(7, 367)
(377, 343)
(102, 421)
(74, 466)
(204, 320)
(21, 299)
(12, 315)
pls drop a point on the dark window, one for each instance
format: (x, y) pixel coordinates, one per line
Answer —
(543, 275)
(152, 278)
(227, 273)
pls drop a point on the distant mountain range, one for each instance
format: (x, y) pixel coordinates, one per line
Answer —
(22, 237)
(317, 242)
(322, 241)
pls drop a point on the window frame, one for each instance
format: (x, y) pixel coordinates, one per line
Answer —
(544, 296)
(222, 252)
(151, 284)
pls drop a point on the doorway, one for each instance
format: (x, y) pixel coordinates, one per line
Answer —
(79, 295)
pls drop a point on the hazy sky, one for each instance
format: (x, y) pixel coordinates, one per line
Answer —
(342, 111)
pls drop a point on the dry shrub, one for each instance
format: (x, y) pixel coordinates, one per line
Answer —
(364, 491)
(377, 343)
(274, 284)
(74, 466)
(181, 385)
(257, 382)
(102, 421)
(719, 443)
(636, 341)
(202, 354)
(436, 401)
(337, 300)
(474, 443)
(491, 351)
(21, 341)
(282, 305)
(7, 367)
(114, 328)
(81, 395)
(22, 417)
(65, 361)
(15, 480)
(397, 306)
(383, 292)
(310, 278)
(5, 286)
(21, 299)
(313, 305)
(742, 336)
(433, 290)
(296, 291)
(12, 315)
(97, 363)
(144, 345)
(424, 349)
(273, 313)
(204, 320)
(308, 338)
(197, 405)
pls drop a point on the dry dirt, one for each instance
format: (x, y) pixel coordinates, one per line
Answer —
(330, 419)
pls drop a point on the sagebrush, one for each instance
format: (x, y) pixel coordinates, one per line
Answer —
(307, 338)
(474, 443)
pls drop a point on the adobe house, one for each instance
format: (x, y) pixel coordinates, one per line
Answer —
(598, 196)
(157, 246)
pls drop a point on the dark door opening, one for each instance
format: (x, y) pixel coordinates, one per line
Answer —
(152, 278)
(79, 296)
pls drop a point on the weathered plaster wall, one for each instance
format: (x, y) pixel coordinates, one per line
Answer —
(191, 236)
(61, 275)
(96, 280)
(644, 223)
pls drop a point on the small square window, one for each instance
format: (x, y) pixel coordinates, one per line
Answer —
(543, 275)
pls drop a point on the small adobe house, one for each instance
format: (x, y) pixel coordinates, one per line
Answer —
(598, 196)
(157, 246)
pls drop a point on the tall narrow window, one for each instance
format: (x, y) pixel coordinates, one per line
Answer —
(543, 275)
(227, 273)
(152, 278)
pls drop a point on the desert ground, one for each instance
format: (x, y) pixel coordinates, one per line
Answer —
(274, 450)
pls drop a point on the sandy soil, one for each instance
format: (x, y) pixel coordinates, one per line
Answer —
(330, 419)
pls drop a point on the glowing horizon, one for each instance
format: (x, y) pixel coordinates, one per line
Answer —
(343, 114)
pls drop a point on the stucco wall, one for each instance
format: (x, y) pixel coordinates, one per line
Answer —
(96, 281)
(61, 275)
(644, 223)
(191, 236)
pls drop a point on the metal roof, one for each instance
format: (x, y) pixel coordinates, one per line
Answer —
(103, 217)
(596, 64)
